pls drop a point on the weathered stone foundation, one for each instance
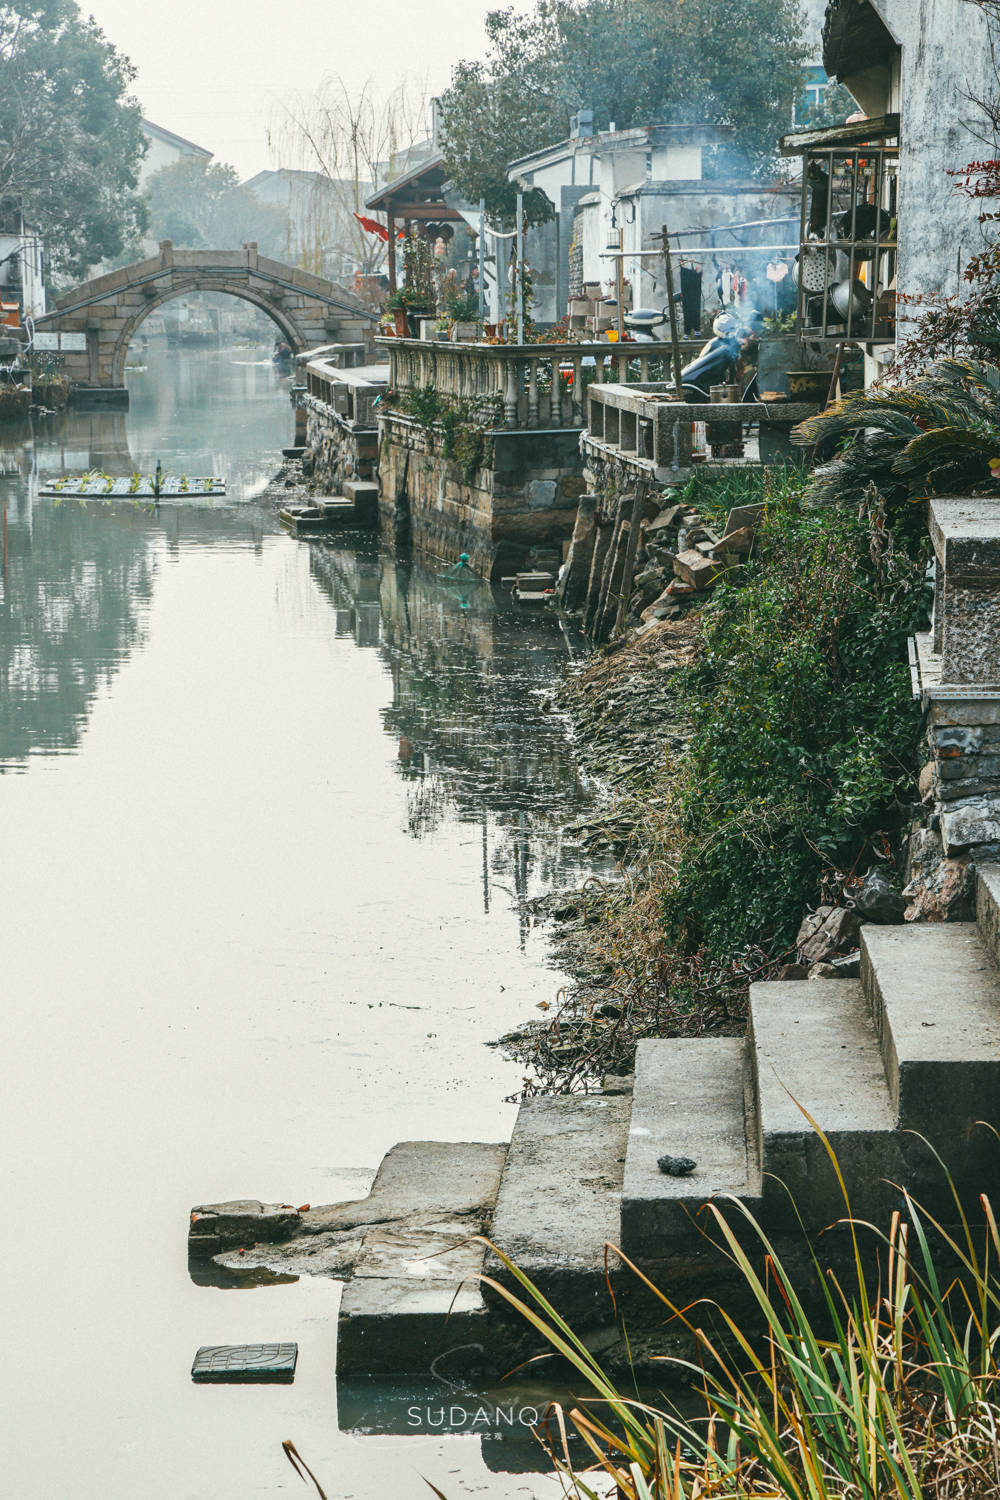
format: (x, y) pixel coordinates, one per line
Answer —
(522, 496)
(958, 667)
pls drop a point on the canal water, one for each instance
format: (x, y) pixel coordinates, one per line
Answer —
(272, 812)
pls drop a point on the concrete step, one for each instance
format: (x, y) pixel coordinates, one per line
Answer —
(988, 907)
(413, 1293)
(560, 1193)
(812, 1047)
(688, 1101)
(934, 994)
(364, 496)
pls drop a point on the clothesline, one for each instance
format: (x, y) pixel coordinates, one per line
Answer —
(729, 250)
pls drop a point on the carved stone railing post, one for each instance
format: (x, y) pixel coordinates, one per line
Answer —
(532, 392)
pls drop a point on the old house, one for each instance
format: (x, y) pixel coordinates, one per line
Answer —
(164, 148)
(882, 219)
(618, 187)
(22, 262)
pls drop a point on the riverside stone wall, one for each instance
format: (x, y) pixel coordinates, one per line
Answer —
(341, 451)
(521, 497)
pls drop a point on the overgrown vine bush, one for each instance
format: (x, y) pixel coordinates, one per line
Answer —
(804, 751)
(462, 424)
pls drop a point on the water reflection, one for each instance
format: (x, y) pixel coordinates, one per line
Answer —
(472, 677)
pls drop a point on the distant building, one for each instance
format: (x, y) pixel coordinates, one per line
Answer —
(626, 184)
(22, 262)
(817, 79)
(164, 149)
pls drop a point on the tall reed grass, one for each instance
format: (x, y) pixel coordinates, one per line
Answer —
(891, 1389)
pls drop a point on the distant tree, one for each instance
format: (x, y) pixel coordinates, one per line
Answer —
(203, 205)
(634, 62)
(70, 135)
(355, 142)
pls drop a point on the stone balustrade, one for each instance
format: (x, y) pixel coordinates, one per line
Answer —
(644, 426)
(541, 386)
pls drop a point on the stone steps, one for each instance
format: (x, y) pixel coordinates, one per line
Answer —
(560, 1191)
(988, 907)
(910, 1050)
(413, 1294)
(688, 1101)
(813, 1056)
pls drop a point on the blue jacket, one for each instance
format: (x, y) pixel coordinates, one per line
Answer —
(716, 366)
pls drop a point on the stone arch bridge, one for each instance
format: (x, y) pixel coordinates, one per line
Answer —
(97, 321)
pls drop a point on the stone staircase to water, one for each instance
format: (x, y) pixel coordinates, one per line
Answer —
(910, 1049)
(888, 1066)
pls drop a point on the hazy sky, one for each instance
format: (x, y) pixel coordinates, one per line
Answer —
(216, 70)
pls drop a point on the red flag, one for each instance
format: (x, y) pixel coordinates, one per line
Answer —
(373, 226)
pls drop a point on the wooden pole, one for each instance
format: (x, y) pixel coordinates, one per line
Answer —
(482, 264)
(631, 548)
(392, 252)
(675, 338)
(519, 268)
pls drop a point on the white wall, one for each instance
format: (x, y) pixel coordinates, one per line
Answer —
(30, 255)
(945, 57)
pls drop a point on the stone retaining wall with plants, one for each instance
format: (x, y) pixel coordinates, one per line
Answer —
(454, 482)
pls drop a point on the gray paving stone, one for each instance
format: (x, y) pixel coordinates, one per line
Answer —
(245, 1364)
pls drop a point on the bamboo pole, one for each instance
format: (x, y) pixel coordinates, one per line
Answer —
(630, 551)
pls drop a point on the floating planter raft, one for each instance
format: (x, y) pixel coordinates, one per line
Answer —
(98, 486)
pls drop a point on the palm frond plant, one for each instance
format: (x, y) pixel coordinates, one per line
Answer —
(938, 434)
(892, 1392)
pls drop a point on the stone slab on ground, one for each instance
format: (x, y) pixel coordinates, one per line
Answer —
(559, 1193)
(239, 1223)
(817, 1052)
(245, 1364)
(688, 1101)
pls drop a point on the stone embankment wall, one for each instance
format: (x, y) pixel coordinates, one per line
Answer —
(521, 498)
(341, 451)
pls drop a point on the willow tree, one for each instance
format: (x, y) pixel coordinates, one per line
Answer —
(348, 144)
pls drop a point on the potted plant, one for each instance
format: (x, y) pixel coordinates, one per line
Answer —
(464, 311)
(443, 329)
(397, 307)
(419, 291)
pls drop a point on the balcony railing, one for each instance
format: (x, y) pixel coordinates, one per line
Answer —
(541, 385)
(645, 424)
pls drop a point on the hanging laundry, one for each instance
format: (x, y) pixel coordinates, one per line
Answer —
(691, 298)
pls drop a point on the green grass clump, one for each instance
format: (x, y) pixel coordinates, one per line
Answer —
(805, 733)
